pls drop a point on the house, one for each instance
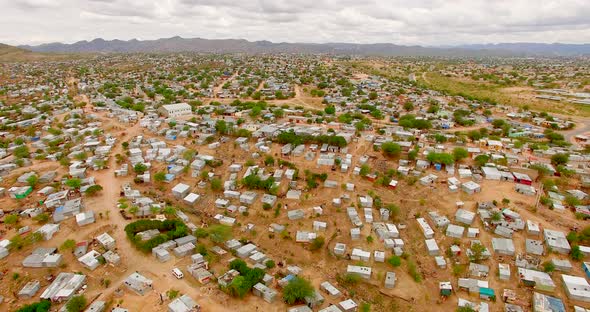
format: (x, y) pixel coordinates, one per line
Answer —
(390, 280)
(360, 255)
(503, 246)
(348, 305)
(330, 289)
(97, 306)
(85, 218)
(175, 110)
(464, 216)
(29, 290)
(534, 247)
(200, 273)
(544, 303)
(64, 287)
(471, 187)
(455, 231)
(537, 279)
(138, 283)
(339, 249)
(48, 230)
(264, 292)
(364, 272)
(89, 260)
(180, 190)
(504, 271)
(426, 229)
(183, 303)
(432, 247)
(576, 288)
(106, 241)
(557, 241)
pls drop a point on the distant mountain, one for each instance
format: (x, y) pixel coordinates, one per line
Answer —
(17, 54)
(545, 49)
(178, 44)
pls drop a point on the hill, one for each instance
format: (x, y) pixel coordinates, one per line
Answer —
(178, 44)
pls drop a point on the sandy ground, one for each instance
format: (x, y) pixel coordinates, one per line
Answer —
(318, 266)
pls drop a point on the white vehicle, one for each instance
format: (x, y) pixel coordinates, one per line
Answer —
(177, 273)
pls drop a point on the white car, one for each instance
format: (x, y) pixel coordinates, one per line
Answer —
(177, 273)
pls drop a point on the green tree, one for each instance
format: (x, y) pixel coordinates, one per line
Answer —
(140, 168)
(93, 190)
(408, 106)
(76, 304)
(391, 149)
(269, 161)
(440, 158)
(160, 176)
(21, 152)
(395, 261)
(297, 290)
(460, 153)
(373, 95)
(365, 170)
(33, 180)
(317, 243)
(219, 233)
(11, 219)
(576, 253)
(560, 159)
(216, 185)
(330, 110)
(548, 267)
(477, 250)
(41, 306)
(74, 183)
(68, 244)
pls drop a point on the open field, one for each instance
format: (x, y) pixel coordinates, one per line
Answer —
(513, 96)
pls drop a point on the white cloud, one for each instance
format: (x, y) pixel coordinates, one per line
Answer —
(419, 22)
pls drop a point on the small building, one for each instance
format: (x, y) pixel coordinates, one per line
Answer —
(471, 187)
(264, 292)
(348, 305)
(544, 303)
(138, 283)
(503, 246)
(180, 190)
(175, 110)
(432, 247)
(537, 279)
(455, 231)
(330, 289)
(364, 272)
(29, 290)
(557, 241)
(504, 271)
(390, 280)
(576, 288)
(183, 303)
(64, 287)
(106, 241)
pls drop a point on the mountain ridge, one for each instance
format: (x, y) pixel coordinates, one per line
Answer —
(179, 44)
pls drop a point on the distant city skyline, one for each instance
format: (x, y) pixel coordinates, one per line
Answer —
(418, 22)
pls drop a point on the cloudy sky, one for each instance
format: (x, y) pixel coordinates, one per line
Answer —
(419, 22)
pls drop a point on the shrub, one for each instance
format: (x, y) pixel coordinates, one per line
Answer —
(395, 261)
(297, 290)
(317, 243)
(41, 306)
(76, 304)
(171, 229)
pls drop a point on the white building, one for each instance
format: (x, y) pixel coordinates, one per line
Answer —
(175, 110)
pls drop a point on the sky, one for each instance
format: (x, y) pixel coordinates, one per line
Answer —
(415, 22)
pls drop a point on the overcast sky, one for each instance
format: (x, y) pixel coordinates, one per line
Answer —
(414, 22)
